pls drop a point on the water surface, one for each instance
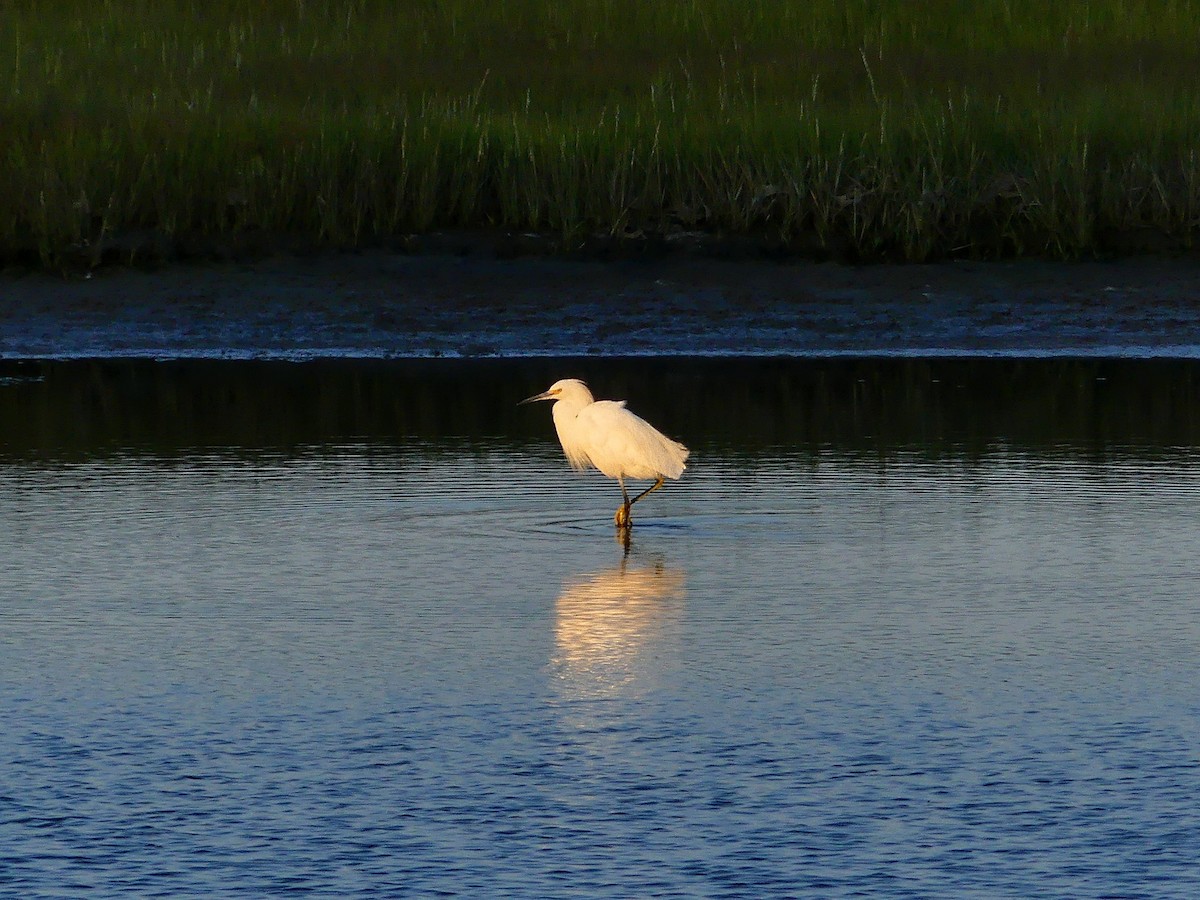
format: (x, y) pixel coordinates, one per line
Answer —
(910, 628)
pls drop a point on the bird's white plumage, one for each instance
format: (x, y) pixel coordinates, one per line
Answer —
(605, 435)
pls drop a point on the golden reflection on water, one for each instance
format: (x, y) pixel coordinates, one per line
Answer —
(611, 627)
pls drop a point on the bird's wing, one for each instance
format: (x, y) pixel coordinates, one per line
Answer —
(622, 444)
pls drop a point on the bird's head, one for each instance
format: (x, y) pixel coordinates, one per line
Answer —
(571, 390)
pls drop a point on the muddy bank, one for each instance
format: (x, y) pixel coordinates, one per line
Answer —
(396, 305)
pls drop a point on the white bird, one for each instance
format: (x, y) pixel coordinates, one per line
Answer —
(605, 435)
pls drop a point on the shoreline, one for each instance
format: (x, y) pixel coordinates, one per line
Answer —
(382, 305)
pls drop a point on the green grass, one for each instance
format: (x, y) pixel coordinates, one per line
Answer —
(861, 130)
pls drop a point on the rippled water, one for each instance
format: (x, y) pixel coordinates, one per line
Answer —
(948, 648)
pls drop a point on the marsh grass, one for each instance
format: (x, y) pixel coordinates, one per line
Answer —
(845, 128)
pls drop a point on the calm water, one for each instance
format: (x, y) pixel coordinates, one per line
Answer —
(914, 629)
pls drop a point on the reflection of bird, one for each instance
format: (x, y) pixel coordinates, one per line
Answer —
(610, 626)
(604, 434)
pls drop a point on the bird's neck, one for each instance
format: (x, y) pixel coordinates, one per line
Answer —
(567, 409)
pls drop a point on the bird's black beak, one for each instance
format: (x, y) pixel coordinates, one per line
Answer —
(544, 395)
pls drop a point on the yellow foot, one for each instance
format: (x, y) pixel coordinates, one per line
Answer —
(622, 517)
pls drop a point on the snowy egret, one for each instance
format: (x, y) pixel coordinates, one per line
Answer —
(607, 436)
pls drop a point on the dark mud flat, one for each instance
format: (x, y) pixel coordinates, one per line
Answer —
(393, 306)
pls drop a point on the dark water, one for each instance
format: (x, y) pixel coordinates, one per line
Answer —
(908, 628)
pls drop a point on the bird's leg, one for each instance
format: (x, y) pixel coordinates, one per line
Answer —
(622, 516)
(649, 490)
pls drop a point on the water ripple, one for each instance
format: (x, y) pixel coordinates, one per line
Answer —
(436, 670)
